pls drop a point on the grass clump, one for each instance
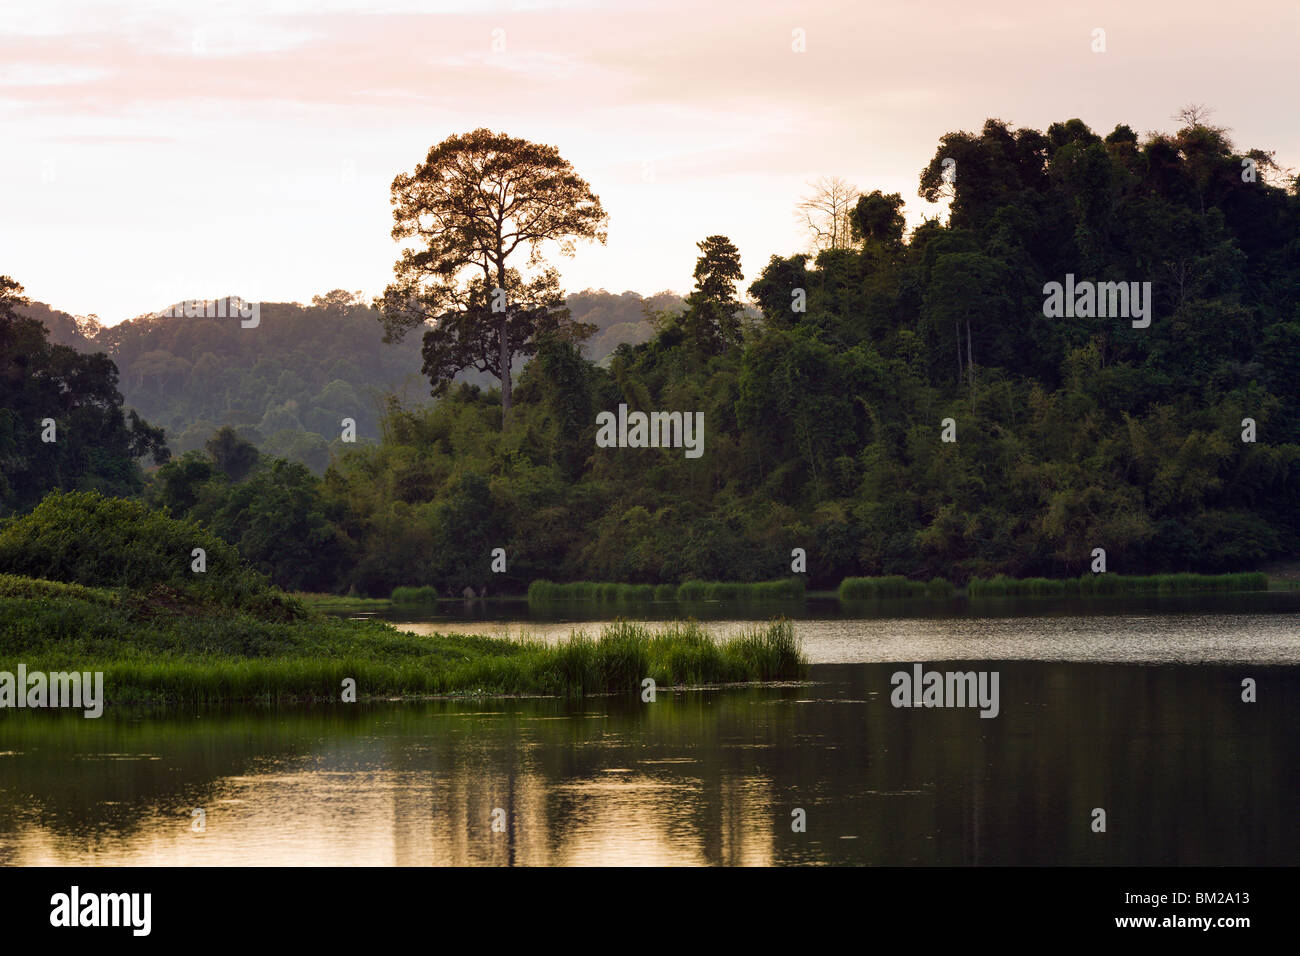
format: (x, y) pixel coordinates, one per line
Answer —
(893, 586)
(339, 601)
(787, 589)
(1090, 585)
(548, 592)
(626, 653)
(415, 595)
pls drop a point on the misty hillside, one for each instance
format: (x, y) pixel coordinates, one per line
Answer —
(288, 383)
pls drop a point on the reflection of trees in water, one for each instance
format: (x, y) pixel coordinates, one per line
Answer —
(1186, 772)
(73, 775)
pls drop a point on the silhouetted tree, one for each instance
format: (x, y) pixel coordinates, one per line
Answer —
(477, 200)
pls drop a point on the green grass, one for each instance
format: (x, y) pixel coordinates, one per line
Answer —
(169, 647)
(420, 595)
(1111, 584)
(15, 586)
(894, 586)
(547, 592)
(339, 601)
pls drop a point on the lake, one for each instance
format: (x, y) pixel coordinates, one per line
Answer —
(1134, 708)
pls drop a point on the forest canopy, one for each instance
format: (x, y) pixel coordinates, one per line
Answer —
(1175, 447)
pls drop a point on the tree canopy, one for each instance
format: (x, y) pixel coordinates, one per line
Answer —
(902, 404)
(62, 423)
(477, 200)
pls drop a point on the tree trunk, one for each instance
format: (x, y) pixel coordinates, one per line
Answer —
(505, 369)
(505, 356)
(957, 329)
(970, 360)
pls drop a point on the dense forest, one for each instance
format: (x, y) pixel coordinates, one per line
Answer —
(287, 384)
(902, 405)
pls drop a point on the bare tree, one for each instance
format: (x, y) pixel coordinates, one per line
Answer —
(826, 212)
(1195, 114)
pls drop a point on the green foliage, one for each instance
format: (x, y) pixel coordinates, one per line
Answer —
(711, 320)
(16, 586)
(276, 515)
(823, 425)
(892, 586)
(231, 455)
(626, 653)
(288, 386)
(545, 592)
(85, 538)
(156, 653)
(62, 422)
(823, 419)
(421, 595)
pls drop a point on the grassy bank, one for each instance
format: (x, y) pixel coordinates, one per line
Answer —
(1114, 584)
(171, 648)
(548, 592)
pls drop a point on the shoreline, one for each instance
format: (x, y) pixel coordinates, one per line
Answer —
(543, 593)
(178, 648)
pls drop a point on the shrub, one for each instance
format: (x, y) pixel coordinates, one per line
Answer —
(96, 541)
(893, 586)
(426, 594)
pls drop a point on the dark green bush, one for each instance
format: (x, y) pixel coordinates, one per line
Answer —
(93, 540)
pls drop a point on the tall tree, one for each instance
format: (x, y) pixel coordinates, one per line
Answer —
(232, 455)
(712, 313)
(476, 201)
(62, 424)
(879, 218)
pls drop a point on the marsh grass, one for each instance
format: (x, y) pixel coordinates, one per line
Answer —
(626, 652)
(1112, 584)
(550, 592)
(410, 595)
(1088, 585)
(893, 586)
(339, 601)
(157, 654)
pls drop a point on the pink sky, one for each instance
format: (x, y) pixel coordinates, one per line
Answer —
(167, 150)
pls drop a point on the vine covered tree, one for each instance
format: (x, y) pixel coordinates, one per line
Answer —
(476, 201)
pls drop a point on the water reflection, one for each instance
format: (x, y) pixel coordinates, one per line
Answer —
(1265, 638)
(518, 610)
(1186, 772)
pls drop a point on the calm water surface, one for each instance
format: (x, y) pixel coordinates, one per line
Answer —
(1137, 711)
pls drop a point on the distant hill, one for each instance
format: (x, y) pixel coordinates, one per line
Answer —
(287, 384)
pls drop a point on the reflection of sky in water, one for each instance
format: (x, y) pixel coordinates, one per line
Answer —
(711, 777)
(1143, 638)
